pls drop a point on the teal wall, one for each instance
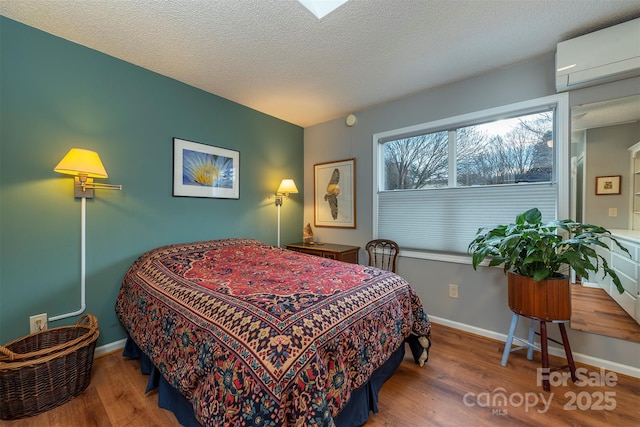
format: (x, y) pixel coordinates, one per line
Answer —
(55, 95)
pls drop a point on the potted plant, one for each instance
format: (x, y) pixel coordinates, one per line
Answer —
(537, 257)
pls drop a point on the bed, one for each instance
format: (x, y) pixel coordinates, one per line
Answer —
(246, 333)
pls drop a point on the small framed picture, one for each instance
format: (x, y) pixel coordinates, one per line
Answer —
(201, 170)
(608, 184)
(334, 188)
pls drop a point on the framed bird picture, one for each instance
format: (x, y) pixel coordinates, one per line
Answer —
(334, 191)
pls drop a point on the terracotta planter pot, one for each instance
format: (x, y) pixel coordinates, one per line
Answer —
(547, 300)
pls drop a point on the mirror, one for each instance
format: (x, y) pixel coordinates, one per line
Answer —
(601, 134)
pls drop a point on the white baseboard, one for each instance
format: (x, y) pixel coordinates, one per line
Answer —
(631, 371)
(108, 348)
(588, 284)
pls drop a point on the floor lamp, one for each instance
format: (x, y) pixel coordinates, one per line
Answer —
(287, 186)
(84, 165)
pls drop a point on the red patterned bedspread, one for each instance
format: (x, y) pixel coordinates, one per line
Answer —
(256, 335)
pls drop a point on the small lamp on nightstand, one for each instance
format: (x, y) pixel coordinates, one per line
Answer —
(287, 186)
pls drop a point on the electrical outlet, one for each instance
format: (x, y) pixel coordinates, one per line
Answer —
(38, 323)
(453, 291)
(613, 212)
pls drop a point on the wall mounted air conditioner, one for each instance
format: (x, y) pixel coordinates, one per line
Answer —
(602, 56)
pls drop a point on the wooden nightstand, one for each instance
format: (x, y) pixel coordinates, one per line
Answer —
(343, 253)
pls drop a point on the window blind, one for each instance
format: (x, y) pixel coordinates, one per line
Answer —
(448, 219)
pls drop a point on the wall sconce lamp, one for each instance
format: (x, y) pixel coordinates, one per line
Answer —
(84, 165)
(287, 187)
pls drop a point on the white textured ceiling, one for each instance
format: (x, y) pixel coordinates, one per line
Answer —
(276, 57)
(605, 113)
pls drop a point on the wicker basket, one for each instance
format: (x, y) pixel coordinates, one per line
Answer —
(46, 369)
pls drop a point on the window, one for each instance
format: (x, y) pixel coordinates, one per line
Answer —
(437, 183)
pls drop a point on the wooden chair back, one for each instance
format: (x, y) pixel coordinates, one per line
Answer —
(383, 253)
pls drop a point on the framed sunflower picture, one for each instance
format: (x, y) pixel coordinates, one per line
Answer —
(201, 170)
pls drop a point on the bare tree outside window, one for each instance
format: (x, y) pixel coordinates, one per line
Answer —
(499, 152)
(417, 162)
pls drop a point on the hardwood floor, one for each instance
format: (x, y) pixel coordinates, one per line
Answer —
(459, 386)
(596, 312)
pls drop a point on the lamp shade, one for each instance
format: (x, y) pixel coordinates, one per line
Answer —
(82, 162)
(287, 186)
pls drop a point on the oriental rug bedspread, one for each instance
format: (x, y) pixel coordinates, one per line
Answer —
(252, 334)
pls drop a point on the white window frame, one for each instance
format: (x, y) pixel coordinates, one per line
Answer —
(562, 165)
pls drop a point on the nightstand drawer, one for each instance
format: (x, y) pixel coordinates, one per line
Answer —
(344, 253)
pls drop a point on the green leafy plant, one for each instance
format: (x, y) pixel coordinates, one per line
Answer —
(540, 250)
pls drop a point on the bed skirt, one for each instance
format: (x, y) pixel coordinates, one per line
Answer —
(363, 401)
